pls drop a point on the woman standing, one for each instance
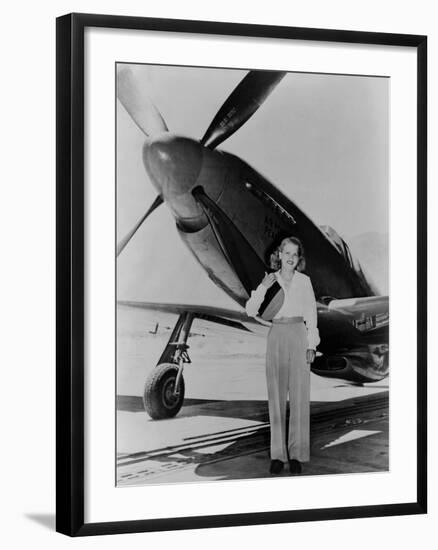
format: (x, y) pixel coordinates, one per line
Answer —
(291, 348)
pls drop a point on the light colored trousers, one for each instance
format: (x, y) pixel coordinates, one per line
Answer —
(287, 372)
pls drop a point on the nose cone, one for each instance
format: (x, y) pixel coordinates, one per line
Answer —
(173, 163)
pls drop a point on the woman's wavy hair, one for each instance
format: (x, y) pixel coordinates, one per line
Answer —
(275, 261)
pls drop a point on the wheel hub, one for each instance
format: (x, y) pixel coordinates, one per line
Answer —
(170, 398)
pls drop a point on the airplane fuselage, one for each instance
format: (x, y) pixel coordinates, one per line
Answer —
(239, 199)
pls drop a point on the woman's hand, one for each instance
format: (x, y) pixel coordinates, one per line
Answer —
(268, 280)
(310, 355)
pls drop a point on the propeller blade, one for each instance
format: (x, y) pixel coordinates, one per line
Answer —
(129, 236)
(243, 102)
(131, 85)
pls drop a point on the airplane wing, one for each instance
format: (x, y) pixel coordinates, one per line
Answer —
(362, 313)
(228, 317)
(365, 314)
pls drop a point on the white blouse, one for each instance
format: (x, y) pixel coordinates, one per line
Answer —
(299, 301)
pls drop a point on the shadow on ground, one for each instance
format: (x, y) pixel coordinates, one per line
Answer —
(46, 520)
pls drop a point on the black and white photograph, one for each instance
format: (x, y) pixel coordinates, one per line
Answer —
(217, 275)
(252, 269)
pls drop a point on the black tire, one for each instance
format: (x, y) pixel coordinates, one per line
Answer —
(158, 399)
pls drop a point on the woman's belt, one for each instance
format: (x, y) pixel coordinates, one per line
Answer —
(288, 320)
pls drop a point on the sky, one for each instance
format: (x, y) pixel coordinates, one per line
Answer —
(321, 139)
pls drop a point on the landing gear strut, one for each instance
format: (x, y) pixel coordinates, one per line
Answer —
(164, 388)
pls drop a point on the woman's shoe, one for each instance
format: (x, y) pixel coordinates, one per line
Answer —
(295, 467)
(276, 467)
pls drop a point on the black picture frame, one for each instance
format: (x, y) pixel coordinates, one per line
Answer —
(70, 273)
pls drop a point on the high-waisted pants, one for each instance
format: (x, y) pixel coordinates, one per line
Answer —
(288, 373)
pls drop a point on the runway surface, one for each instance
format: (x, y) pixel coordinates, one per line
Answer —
(222, 431)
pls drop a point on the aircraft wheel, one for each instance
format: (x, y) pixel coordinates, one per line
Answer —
(158, 398)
